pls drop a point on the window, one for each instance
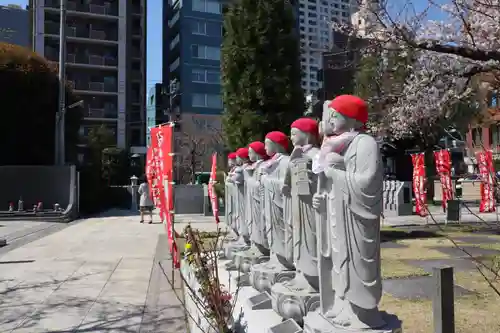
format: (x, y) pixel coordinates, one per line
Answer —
(198, 28)
(207, 6)
(207, 101)
(201, 75)
(205, 52)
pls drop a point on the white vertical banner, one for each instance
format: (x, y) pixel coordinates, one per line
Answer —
(121, 128)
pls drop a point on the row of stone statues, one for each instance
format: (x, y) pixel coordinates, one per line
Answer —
(307, 224)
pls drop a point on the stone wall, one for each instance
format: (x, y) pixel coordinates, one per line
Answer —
(48, 184)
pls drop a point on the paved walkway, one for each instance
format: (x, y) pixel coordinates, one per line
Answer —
(98, 275)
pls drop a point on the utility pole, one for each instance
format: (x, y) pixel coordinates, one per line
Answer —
(60, 128)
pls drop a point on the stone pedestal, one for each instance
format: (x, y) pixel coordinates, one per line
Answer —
(315, 322)
(231, 248)
(263, 276)
(243, 260)
(294, 299)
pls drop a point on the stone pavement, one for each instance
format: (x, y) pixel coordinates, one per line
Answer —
(99, 275)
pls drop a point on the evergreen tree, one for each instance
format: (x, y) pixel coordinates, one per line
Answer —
(261, 76)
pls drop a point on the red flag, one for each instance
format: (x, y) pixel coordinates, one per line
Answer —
(443, 168)
(419, 180)
(211, 190)
(166, 133)
(486, 171)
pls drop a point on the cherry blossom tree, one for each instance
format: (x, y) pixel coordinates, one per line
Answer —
(449, 55)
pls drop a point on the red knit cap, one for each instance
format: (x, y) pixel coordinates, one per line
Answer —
(231, 156)
(350, 106)
(279, 138)
(259, 148)
(306, 125)
(242, 153)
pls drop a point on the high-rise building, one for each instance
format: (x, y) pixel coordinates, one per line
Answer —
(105, 60)
(315, 20)
(192, 38)
(15, 25)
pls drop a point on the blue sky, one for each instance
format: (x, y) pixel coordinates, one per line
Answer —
(154, 15)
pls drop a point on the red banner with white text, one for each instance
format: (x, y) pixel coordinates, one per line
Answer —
(165, 135)
(486, 171)
(155, 169)
(211, 190)
(443, 168)
(419, 182)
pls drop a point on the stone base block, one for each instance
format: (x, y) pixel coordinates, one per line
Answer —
(232, 247)
(264, 276)
(315, 322)
(243, 260)
(261, 301)
(293, 303)
(288, 326)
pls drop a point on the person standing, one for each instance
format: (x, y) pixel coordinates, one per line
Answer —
(145, 202)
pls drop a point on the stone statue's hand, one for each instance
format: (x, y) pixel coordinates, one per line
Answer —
(318, 201)
(335, 160)
(285, 189)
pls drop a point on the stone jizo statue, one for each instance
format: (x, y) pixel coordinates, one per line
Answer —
(231, 162)
(294, 298)
(259, 250)
(349, 243)
(264, 275)
(237, 180)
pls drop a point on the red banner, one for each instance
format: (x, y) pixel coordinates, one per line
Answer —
(166, 141)
(443, 168)
(211, 190)
(419, 180)
(486, 171)
(156, 171)
(160, 168)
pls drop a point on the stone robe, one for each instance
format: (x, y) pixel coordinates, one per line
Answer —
(355, 206)
(273, 178)
(229, 202)
(303, 184)
(238, 178)
(254, 193)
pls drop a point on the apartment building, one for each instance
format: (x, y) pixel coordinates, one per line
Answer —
(315, 21)
(15, 25)
(105, 60)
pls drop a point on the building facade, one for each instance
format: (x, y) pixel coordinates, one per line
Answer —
(192, 35)
(316, 37)
(15, 26)
(105, 60)
(193, 38)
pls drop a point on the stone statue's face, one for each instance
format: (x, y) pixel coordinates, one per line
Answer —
(239, 161)
(272, 148)
(231, 162)
(298, 137)
(339, 122)
(254, 157)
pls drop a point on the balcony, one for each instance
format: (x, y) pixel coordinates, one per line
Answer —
(136, 76)
(94, 87)
(52, 28)
(91, 60)
(95, 10)
(101, 113)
